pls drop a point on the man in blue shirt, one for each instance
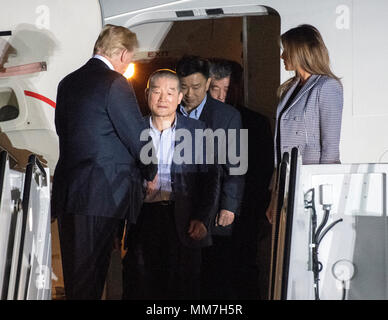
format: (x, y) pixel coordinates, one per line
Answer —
(178, 205)
(193, 73)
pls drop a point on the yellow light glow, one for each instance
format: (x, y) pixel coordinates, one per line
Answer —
(130, 71)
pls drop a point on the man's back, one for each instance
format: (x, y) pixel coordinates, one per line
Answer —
(98, 123)
(97, 181)
(82, 116)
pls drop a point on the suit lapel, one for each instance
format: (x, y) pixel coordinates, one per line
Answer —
(306, 88)
(147, 120)
(205, 114)
(286, 97)
(179, 119)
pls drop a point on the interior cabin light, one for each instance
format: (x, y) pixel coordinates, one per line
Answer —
(130, 71)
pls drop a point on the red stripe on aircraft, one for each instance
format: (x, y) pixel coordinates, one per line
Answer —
(40, 97)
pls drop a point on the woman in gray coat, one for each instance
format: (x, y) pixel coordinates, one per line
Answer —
(310, 110)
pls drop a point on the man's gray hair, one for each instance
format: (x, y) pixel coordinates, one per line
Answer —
(220, 68)
(163, 73)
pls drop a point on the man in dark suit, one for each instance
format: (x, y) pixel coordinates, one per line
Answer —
(173, 225)
(96, 180)
(193, 72)
(252, 232)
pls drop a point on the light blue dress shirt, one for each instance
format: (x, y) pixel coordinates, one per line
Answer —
(164, 143)
(195, 113)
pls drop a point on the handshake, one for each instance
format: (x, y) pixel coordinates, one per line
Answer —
(197, 230)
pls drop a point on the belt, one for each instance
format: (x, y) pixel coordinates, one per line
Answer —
(160, 203)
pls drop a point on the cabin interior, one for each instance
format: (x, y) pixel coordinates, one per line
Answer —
(251, 41)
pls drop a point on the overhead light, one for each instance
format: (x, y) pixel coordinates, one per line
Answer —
(130, 71)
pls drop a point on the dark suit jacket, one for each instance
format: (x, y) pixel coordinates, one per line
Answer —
(261, 159)
(99, 124)
(218, 115)
(194, 187)
(252, 225)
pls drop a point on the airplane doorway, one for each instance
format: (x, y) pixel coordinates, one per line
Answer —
(251, 41)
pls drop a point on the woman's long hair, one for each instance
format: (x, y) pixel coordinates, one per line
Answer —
(304, 48)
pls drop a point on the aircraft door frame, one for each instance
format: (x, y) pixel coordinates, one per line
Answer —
(20, 121)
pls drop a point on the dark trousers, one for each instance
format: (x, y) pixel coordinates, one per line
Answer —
(157, 265)
(217, 270)
(237, 267)
(86, 246)
(251, 253)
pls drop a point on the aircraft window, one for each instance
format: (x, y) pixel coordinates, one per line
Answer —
(9, 107)
(185, 13)
(210, 12)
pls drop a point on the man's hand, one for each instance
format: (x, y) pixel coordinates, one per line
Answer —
(225, 218)
(197, 230)
(270, 212)
(152, 185)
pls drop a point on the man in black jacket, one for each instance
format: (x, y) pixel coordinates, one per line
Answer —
(251, 240)
(97, 179)
(165, 244)
(193, 72)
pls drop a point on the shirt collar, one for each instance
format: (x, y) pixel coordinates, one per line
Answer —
(195, 113)
(105, 60)
(173, 126)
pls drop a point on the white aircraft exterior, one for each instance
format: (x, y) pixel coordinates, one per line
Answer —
(41, 41)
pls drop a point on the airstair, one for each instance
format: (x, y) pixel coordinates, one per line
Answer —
(25, 231)
(330, 232)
